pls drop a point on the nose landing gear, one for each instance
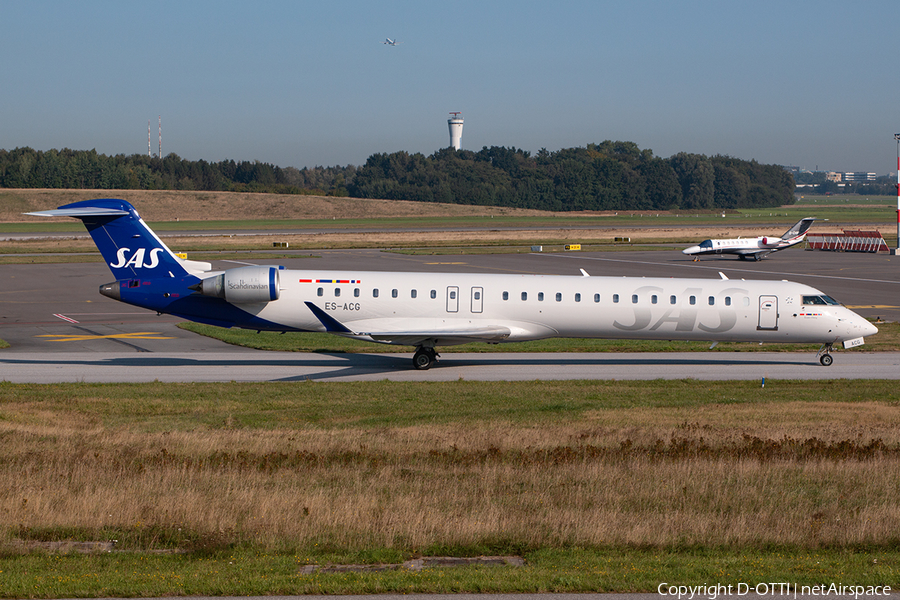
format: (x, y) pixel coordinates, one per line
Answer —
(824, 355)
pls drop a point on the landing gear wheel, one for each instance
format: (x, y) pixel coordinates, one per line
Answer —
(424, 358)
(825, 355)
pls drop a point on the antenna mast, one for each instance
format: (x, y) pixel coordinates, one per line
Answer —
(149, 152)
(160, 137)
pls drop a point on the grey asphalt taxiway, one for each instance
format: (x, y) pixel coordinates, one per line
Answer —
(61, 329)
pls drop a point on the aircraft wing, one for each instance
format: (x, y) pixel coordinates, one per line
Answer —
(448, 337)
(415, 337)
(760, 252)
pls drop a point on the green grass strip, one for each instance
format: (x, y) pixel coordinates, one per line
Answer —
(246, 572)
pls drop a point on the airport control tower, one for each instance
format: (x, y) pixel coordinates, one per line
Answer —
(455, 122)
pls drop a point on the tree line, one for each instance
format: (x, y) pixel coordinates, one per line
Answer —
(86, 169)
(605, 176)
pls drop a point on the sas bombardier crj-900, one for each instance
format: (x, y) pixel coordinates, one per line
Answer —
(427, 310)
(754, 248)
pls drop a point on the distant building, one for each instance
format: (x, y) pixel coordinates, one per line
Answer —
(832, 176)
(859, 176)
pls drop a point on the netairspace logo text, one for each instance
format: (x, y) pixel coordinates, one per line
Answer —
(711, 592)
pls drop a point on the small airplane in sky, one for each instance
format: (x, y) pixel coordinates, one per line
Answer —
(755, 248)
(391, 42)
(427, 310)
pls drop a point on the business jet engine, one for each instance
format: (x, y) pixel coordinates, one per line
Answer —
(243, 285)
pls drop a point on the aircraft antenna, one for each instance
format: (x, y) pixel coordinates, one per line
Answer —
(456, 124)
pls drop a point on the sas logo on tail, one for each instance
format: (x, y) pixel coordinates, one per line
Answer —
(137, 259)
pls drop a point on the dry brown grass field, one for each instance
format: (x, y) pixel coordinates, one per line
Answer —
(796, 473)
(166, 205)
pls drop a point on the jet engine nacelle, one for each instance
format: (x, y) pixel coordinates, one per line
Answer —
(243, 285)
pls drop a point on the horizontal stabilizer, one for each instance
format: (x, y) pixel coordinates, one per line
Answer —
(129, 247)
(77, 213)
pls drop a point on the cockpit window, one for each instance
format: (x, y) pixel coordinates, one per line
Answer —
(823, 300)
(706, 244)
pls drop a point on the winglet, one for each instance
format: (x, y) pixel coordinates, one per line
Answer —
(331, 324)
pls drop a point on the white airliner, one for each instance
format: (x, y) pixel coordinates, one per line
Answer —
(755, 248)
(427, 310)
(391, 42)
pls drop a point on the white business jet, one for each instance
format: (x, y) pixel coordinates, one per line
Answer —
(427, 310)
(755, 248)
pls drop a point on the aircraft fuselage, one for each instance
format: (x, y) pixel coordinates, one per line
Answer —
(374, 304)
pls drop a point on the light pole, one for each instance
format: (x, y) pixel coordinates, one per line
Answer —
(897, 137)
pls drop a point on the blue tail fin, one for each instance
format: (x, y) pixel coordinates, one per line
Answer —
(128, 246)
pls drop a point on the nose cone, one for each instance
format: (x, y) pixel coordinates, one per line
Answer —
(868, 329)
(691, 250)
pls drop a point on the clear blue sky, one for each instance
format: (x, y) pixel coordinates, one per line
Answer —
(295, 83)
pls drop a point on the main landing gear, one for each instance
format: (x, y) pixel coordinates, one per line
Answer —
(424, 358)
(825, 355)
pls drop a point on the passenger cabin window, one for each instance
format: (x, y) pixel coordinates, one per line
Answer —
(596, 297)
(320, 292)
(693, 300)
(577, 297)
(506, 295)
(673, 300)
(356, 292)
(615, 298)
(634, 298)
(653, 299)
(413, 293)
(394, 293)
(558, 297)
(453, 294)
(540, 296)
(524, 295)
(712, 300)
(478, 295)
(727, 300)
(433, 294)
(337, 292)
(375, 293)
